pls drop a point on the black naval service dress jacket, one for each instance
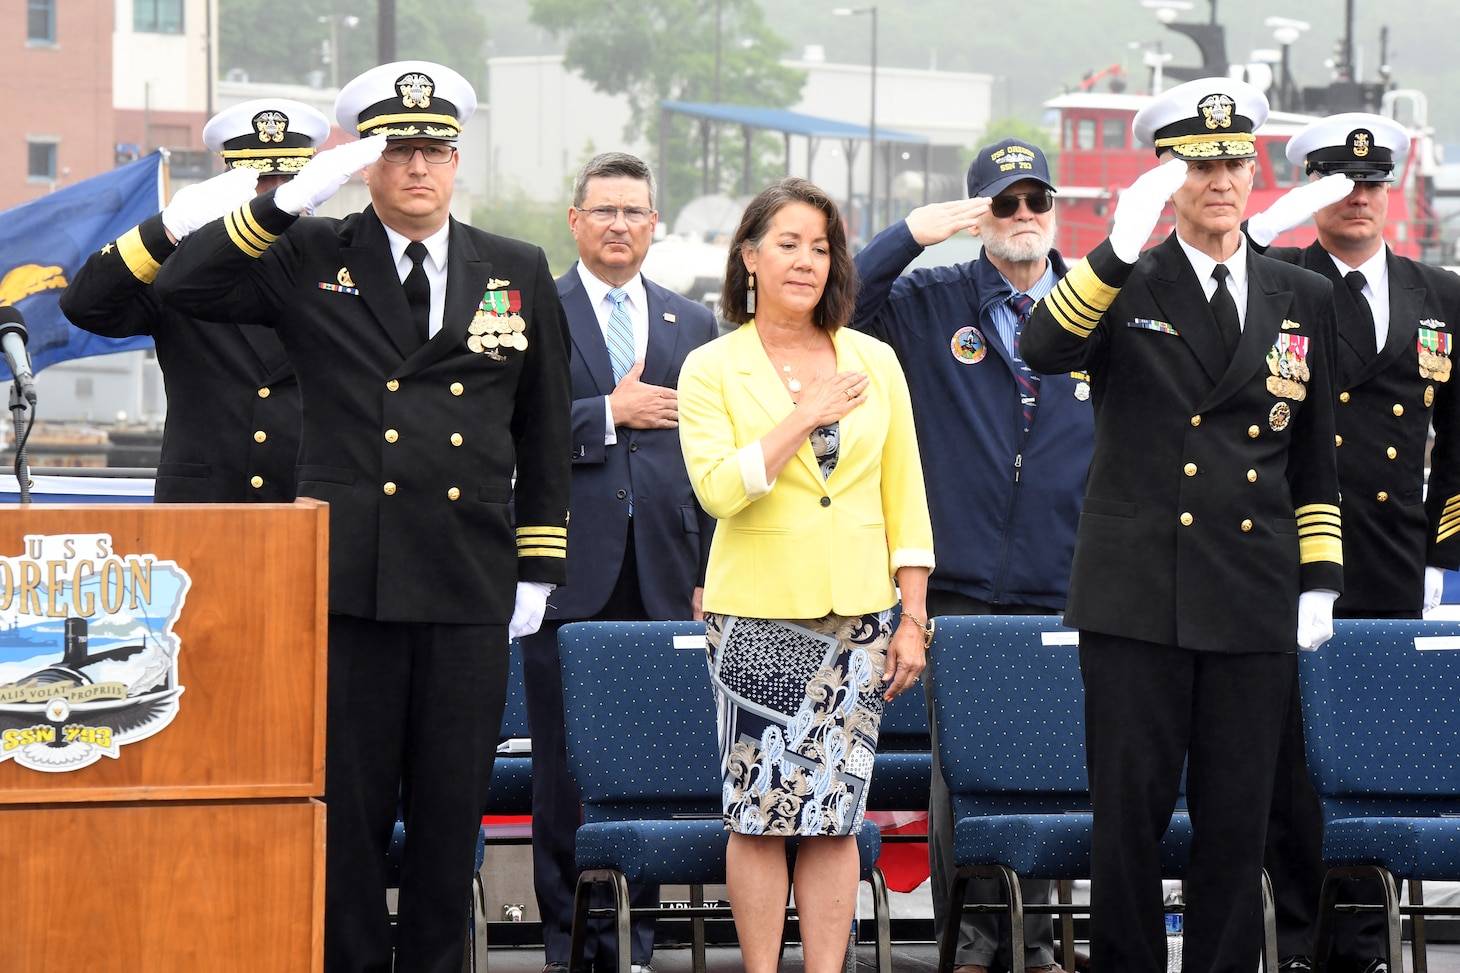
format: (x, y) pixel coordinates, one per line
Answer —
(232, 433)
(1387, 399)
(1212, 498)
(414, 446)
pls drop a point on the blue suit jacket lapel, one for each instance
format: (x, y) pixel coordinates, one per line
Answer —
(663, 337)
(588, 343)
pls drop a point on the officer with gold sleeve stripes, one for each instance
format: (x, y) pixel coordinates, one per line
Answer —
(1396, 320)
(1209, 546)
(433, 359)
(232, 433)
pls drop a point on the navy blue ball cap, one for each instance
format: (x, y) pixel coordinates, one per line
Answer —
(999, 166)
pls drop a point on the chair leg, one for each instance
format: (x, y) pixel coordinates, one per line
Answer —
(1394, 928)
(1015, 896)
(621, 917)
(697, 929)
(1066, 889)
(577, 941)
(1323, 931)
(1269, 927)
(1419, 953)
(882, 915)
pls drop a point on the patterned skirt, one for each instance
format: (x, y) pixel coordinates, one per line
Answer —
(798, 706)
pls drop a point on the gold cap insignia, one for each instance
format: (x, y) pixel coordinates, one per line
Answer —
(415, 90)
(1359, 142)
(272, 126)
(1217, 110)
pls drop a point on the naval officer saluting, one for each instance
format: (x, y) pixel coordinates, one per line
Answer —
(1209, 547)
(433, 359)
(232, 433)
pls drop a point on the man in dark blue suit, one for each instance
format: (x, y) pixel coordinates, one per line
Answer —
(631, 496)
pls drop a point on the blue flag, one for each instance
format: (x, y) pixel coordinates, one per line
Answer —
(45, 241)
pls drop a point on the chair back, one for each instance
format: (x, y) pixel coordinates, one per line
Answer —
(1011, 714)
(511, 790)
(640, 719)
(1379, 717)
(904, 767)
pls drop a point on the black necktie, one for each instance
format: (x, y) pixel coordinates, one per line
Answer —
(1224, 309)
(418, 290)
(1368, 343)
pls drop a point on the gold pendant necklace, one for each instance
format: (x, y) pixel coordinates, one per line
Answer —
(789, 373)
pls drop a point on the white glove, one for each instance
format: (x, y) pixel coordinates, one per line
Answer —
(202, 203)
(527, 613)
(1434, 588)
(1140, 208)
(1295, 206)
(1315, 618)
(323, 175)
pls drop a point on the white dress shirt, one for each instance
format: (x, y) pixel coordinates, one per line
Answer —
(1376, 290)
(434, 264)
(1236, 275)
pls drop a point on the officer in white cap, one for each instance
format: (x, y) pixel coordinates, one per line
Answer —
(273, 137)
(232, 433)
(1209, 370)
(434, 363)
(1392, 366)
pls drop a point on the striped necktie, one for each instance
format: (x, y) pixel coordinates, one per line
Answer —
(1027, 377)
(620, 335)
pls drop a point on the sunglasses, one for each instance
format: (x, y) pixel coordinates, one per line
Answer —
(1006, 206)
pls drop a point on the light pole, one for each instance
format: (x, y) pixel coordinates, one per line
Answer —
(334, 20)
(1286, 32)
(872, 119)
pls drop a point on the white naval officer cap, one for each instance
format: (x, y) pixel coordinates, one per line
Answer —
(406, 100)
(1360, 145)
(1209, 118)
(273, 135)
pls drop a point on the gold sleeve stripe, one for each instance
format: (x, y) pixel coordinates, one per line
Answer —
(1445, 533)
(1311, 510)
(255, 228)
(541, 552)
(243, 238)
(542, 542)
(542, 532)
(1449, 517)
(136, 256)
(1094, 292)
(1320, 548)
(1068, 317)
(1451, 505)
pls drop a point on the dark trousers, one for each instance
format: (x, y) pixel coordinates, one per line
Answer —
(1149, 709)
(982, 939)
(556, 809)
(414, 713)
(1294, 857)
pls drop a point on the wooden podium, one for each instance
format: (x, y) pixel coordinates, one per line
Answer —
(200, 847)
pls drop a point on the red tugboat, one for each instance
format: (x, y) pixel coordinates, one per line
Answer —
(1098, 157)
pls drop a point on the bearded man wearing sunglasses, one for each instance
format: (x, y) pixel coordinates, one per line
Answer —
(1004, 448)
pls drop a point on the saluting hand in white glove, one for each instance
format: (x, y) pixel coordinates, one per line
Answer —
(1140, 208)
(528, 610)
(1295, 206)
(323, 175)
(202, 203)
(1315, 618)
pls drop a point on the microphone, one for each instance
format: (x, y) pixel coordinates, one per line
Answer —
(13, 337)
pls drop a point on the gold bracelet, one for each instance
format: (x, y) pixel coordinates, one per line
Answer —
(927, 627)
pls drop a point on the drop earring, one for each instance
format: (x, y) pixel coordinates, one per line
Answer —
(750, 295)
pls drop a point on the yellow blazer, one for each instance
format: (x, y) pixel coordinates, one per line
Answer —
(808, 546)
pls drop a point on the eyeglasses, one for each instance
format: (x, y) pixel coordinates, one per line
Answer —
(605, 215)
(399, 153)
(1007, 205)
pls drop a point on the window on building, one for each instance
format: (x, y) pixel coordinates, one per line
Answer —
(40, 22)
(42, 160)
(1112, 133)
(157, 16)
(1085, 134)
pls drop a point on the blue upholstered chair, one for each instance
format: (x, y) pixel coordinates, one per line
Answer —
(511, 791)
(642, 747)
(1383, 746)
(1011, 741)
(904, 757)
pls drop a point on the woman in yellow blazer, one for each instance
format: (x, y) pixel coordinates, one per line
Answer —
(798, 437)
